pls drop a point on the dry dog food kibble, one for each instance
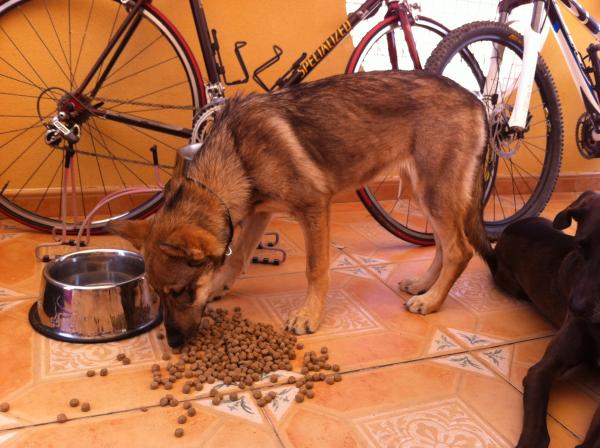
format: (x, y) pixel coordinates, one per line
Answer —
(61, 418)
(181, 419)
(85, 407)
(90, 373)
(187, 405)
(73, 402)
(237, 352)
(4, 407)
(126, 361)
(299, 397)
(121, 356)
(103, 372)
(191, 412)
(179, 432)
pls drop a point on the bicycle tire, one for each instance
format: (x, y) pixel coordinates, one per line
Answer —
(368, 195)
(458, 43)
(168, 40)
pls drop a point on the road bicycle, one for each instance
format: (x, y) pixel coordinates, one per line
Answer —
(514, 83)
(97, 95)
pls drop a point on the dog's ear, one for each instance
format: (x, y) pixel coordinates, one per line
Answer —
(574, 211)
(191, 242)
(135, 232)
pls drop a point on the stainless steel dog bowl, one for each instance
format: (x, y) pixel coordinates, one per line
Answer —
(97, 295)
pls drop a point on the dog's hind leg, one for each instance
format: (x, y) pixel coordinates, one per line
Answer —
(456, 253)
(252, 230)
(566, 350)
(315, 225)
(422, 284)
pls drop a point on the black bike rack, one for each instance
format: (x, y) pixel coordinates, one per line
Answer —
(270, 246)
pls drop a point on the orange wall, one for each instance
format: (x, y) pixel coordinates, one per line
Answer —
(301, 26)
(297, 27)
(572, 105)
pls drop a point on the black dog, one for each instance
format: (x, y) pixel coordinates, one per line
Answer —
(560, 274)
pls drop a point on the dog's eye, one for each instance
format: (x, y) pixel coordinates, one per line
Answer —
(197, 264)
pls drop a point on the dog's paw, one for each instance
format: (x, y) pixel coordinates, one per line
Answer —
(302, 323)
(411, 286)
(423, 304)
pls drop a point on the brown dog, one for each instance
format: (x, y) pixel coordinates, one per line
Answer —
(560, 274)
(291, 151)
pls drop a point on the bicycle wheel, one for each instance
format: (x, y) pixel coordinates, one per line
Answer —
(47, 48)
(522, 168)
(387, 199)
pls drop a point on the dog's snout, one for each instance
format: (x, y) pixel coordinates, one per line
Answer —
(175, 338)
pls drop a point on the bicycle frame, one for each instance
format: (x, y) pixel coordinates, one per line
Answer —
(214, 88)
(533, 43)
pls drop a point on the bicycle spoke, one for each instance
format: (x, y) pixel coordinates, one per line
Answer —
(28, 80)
(112, 30)
(39, 204)
(116, 70)
(100, 172)
(33, 173)
(147, 94)
(34, 125)
(45, 46)
(174, 148)
(527, 146)
(21, 154)
(120, 161)
(85, 32)
(62, 49)
(144, 70)
(116, 168)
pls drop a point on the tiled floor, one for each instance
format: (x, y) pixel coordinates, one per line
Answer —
(450, 379)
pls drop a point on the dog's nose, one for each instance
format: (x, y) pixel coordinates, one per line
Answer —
(175, 338)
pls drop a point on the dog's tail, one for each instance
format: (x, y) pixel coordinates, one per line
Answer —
(474, 228)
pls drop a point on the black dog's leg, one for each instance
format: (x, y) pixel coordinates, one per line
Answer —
(592, 439)
(566, 350)
(506, 281)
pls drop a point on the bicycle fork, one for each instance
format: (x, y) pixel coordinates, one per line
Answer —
(532, 46)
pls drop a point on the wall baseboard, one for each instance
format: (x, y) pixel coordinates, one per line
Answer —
(567, 183)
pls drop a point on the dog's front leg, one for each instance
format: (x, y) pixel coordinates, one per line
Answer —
(565, 351)
(315, 225)
(252, 230)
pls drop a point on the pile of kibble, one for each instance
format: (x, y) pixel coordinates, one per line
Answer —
(240, 353)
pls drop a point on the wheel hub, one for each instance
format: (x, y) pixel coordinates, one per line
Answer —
(506, 142)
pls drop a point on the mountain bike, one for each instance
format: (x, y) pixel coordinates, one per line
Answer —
(97, 95)
(504, 69)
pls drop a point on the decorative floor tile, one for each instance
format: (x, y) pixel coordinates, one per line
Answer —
(343, 261)
(63, 357)
(355, 272)
(366, 260)
(465, 362)
(382, 271)
(472, 339)
(5, 292)
(476, 291)
(343, 315)
(441, 343)
(444, 424)
(498, 358)
(244, 407)
(282, 402)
